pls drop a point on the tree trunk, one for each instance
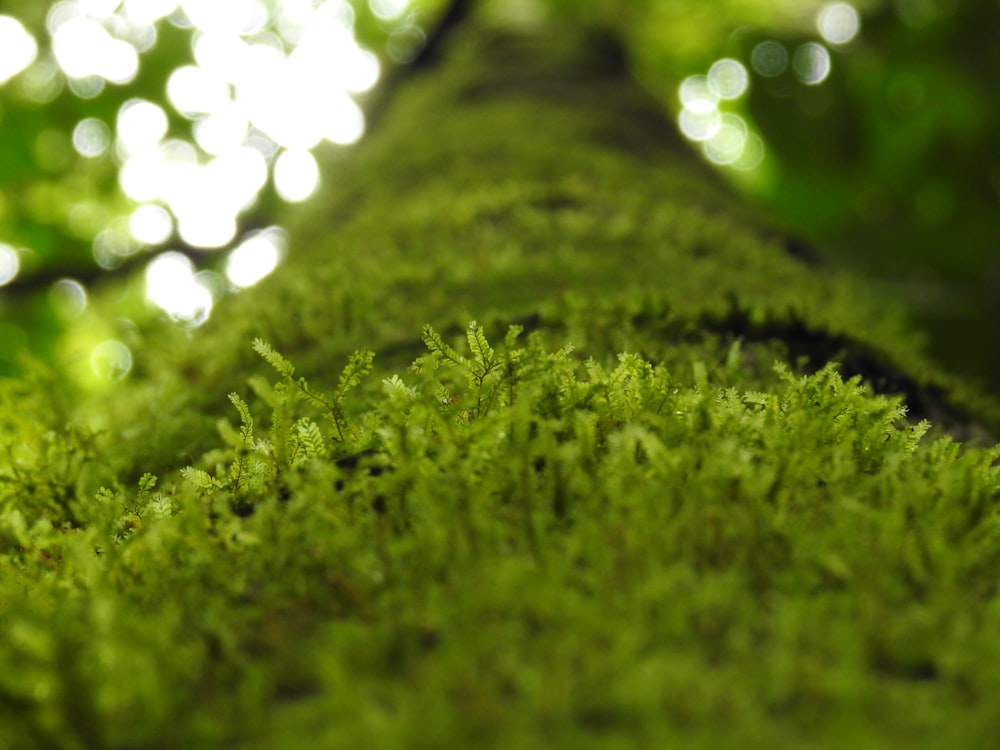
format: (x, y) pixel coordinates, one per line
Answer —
(528, 179)
(523, 545)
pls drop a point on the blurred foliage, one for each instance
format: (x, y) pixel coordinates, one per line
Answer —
(886, 167)
(892, 167)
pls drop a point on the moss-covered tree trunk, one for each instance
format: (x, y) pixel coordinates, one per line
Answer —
(600, 516)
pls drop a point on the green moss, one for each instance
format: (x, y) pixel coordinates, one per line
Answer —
(654, 514)
(520, 544)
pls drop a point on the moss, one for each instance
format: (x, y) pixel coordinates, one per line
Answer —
(630, 508)
(520, 544)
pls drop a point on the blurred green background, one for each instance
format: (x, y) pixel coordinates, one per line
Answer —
(141, 145)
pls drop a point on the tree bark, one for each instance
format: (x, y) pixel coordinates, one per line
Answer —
(526, 178)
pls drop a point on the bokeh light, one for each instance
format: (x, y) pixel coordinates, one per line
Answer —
(696, 94)
(268, 81)
(296, 175)
(17, 48)
(256, 257)
(10, 264)
(42, 82)
(141, 126)
(222, 131)
(194, 90)
(151, 224)
(752, 154)
(114, 244)
(838, 23)
(111, 360)
(811, 63)
(147, 12)
(725, 137)
(726, 145)
(405, 42)
(98, 8)
(699, 126)
(91, 137)
(728, 79)
(389, 10)
(84, 48)
(68, 298)
(769, 59)
(172, 285)
(226, 16)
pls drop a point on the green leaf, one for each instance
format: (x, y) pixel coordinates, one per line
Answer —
(279, 363)
(437, 346)
(482, 352)
(358, 366)
(201, 479)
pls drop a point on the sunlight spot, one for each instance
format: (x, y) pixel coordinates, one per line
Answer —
(699, 126)
(141, 126)
(91, 137)
(696, 94)
(287, 105)
(98, 8)
(42, 82)
(752, 155)
(811, 63)
(255, 257)
(727, 143)
(728, 79)
(224, 55)
(68, 298)
(769, 59)
(176, 151)
(296, 175)
(194, 90)
(405, 43)
(241, 173)
(146, 12)
(86, 88)
(142, 178)
(151, 224)
(295, 100)
(344, 122)
(207, 199)
(259, 142)
(18, 48)
(172, 286)
(83, 48)
(389, 10)
(838, 23)
(61, 13)
(223, 130)
(294, 15)
(328, 50)
(111, 360)
(207, 228)
(112, 245)
(362, 71)
(10, 264)
(229, 16)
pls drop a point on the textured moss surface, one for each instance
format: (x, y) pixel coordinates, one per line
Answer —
(602, 516)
